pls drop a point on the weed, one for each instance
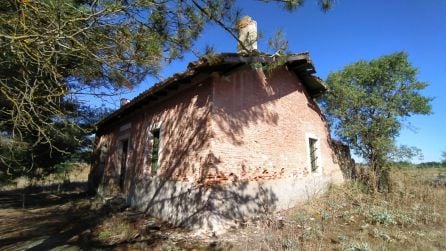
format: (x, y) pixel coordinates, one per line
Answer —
(347, 216)
(383, 248)
(302, 217)
(380, 233)
(405, 219)
(325, 215)
(342, 238)
(104, 235)
(289, 244)
(115, 230)
(313, 232)
(358, 246)
(380, 216)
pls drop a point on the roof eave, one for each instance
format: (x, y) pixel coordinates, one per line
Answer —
(300, 64)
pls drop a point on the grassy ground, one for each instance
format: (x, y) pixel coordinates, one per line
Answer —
(411, 217)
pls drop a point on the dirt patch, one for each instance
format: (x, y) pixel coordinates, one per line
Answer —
(47, 221)
(75, 221)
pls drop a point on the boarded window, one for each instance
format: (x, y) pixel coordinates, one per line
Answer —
(155, 150)
(313, 154)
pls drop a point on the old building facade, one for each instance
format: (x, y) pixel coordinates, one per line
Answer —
(219, 143)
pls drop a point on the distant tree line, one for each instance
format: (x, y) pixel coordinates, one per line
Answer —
(429, 164)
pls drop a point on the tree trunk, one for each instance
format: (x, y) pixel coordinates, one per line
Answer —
(375, 179)
(380, 181)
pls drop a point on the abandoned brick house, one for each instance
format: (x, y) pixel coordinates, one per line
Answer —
(222, 141)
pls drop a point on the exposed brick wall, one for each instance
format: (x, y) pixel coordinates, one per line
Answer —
(345, 160)
(185, 134)
(262, 125)
(244, 126)
(232, 147)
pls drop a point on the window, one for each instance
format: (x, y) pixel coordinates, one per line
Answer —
(124, 152)
(155, 150)
(313, 154)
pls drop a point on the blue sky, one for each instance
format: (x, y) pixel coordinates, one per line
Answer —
(351, 31)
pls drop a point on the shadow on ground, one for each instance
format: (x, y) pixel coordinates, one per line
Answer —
(38, 219)
(73, 220)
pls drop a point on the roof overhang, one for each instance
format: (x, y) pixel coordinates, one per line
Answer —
(300, 64)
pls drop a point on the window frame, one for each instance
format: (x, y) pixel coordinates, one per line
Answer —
(149, 146)
(155, 149)
(314, 155)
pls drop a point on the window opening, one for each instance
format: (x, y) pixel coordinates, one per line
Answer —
(125, 145)
(155, 150)
(313, 155)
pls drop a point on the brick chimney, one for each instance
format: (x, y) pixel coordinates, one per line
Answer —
(247, 34)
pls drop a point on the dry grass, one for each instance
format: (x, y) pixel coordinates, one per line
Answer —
(78, 173)
(412, 216)
(115, 230)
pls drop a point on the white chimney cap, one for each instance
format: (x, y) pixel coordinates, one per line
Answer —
(124, 101)
(247, 35)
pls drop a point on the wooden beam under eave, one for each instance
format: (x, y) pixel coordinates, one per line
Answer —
(161, 93)
(173, 87)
